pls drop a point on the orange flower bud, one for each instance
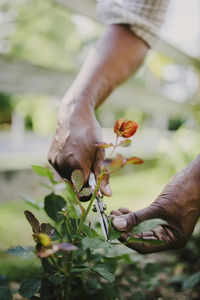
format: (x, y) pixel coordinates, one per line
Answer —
(125, 128)
(118, 125)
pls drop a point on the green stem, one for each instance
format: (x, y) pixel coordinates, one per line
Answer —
(67, 284)
(90, 203)
(67, 229)
(53, 260)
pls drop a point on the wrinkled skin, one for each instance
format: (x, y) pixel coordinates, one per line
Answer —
(73, 146)
(178, 205)
(107, 65)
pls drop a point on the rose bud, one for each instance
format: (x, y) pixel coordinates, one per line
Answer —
(125, 128)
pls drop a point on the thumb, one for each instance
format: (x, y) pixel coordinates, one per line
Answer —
(127, 221)
(97, 168)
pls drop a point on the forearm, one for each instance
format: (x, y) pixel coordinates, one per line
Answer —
(117, 54)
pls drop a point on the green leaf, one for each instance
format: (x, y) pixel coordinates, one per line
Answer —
(56, 280)
(47, 266)
(30, 287)
(33, 221)
(147, 225)
(90, 232)
(125, 143)
(70, 192)
(103, 270)
(53, 204)
(92, 286)
(19, 251)
(77, 180)
(85, 192)
(191, 281)
(71, 211)
(44, 172)
(114, 234)
(80, 269)
(93, 243)
(5, 293)
(30, 202)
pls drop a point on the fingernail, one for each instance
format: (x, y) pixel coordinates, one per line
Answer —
(119, 222)
(108, 189)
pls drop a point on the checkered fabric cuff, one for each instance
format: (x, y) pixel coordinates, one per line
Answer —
(145, 17)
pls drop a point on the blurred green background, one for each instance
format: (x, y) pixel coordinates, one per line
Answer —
(42, 47)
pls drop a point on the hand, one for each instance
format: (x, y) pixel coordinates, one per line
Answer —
(73, 146)
(178, 205)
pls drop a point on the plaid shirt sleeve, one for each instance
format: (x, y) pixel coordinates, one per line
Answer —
(144, 17)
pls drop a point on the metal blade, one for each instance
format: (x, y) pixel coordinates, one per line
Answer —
(102, 218)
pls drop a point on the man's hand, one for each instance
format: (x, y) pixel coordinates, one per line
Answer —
(178, 205)
(117, 54)
(73, 146)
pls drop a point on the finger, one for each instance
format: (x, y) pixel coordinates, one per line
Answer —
(159, 239)
(145, 234)
(123, 237)
(120, 223)
(116, 212)
(97, 167)
(124, 210)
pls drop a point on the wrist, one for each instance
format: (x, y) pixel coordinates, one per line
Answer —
(77, 101)
(194, 170)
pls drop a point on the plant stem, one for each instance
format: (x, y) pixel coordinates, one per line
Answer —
(53, 260)
(114, 147)
(90, 203)
(67, 284)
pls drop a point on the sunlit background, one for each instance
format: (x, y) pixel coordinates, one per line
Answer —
(42, 46)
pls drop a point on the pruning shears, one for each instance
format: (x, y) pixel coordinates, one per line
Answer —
(99, 207)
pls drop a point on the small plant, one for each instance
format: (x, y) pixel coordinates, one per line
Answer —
(74, 255)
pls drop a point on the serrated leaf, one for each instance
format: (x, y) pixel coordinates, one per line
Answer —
(5, 293)
(30, 287)
(33, 221)
(125, 143)
(53, 204)
(85, 192)
(77, 180)
(103, 270)
(44, 172)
